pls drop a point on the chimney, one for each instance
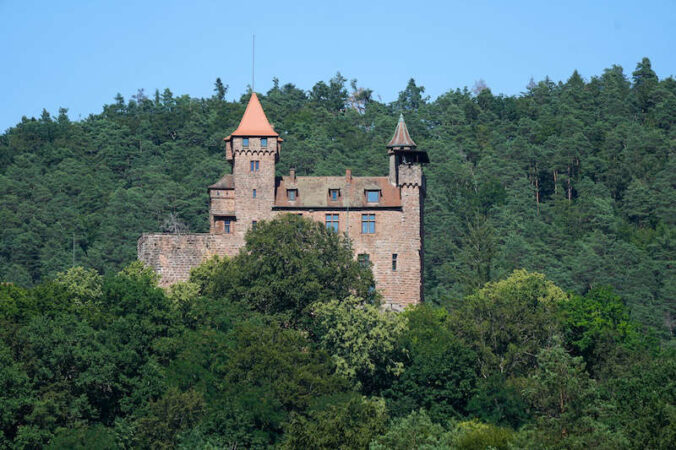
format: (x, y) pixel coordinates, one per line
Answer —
(292, 174)
(348, 175)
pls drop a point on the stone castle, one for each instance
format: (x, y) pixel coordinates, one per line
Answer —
(383, 216)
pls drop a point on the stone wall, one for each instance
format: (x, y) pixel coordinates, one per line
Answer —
(172, 256)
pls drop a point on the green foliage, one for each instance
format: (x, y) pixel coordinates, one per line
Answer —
(508, 321)
(499, 402)
(362, 339)
(598, 328)
(474, 435)
(440, 373)
(415, 431)
(288, 264)
(343, 423)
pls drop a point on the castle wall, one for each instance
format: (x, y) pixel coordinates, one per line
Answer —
(396, 232)
(172, 256)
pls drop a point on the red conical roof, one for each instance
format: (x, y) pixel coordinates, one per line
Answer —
(254, 122)
(401, 137)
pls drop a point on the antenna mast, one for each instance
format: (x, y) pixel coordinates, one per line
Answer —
(253, 63)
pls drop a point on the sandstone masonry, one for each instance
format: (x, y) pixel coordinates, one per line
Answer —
(382, 216)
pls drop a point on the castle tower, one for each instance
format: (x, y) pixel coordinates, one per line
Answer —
(252, 150)
(406, 173)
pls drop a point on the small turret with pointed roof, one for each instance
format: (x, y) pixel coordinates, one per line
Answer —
(254, 125)
(254, 121)
(403, 151)
(401, 139)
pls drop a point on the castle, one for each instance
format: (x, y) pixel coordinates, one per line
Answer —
(383, 216)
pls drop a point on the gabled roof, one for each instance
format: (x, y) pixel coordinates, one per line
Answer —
(254, 122)
(401, 137)
(227, 182)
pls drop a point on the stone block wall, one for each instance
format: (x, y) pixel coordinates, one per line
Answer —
(172, 256)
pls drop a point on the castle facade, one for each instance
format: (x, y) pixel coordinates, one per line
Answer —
(382, 216)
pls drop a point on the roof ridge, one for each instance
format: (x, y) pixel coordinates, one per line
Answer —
(401, 136)
(254, 121)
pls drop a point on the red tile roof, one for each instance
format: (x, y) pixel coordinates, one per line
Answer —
(401, 137)
(254, 122)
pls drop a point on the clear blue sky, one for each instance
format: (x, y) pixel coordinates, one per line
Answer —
(79, 54)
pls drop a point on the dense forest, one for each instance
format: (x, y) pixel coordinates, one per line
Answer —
(285, 346)
(549, 276)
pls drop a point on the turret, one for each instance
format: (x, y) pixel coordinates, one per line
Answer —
(405, 158)
(252, 150)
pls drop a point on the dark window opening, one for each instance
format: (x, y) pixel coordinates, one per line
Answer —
(254, 193)
(253, 224)
(394, 262)
(368, 223)
(363, 259)
(332, 222)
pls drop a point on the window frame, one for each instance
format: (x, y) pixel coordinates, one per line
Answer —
(368, 223)
(364, 260)
(395, 258)
(295, 195)
(264, 142)
(373, 191)
(245, 142)
(254, 165)
(253, 192)
(331, 194)
(332, 222)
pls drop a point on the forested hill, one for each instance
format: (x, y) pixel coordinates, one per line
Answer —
(572, 179)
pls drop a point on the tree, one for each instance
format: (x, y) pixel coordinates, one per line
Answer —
(567, 405)
(288, 264)
(344, 423)
(220, 89)
(414, 431)
(440, 373)
(509, 321)
(362, 340)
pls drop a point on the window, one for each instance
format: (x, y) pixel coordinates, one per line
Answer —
(245, 142)
(363, 259)
(223, 224)
(368, 223)
(291, 194)
(254, 193)
(254, 165)
(394, 262)
(372, 196)
(332, 222)
(334, 194)
(264, 142)
(253, 224)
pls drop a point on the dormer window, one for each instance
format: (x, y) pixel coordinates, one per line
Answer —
(264, 142)
(372, 196)
(334, 194)
(245, 142)
(291, 194)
